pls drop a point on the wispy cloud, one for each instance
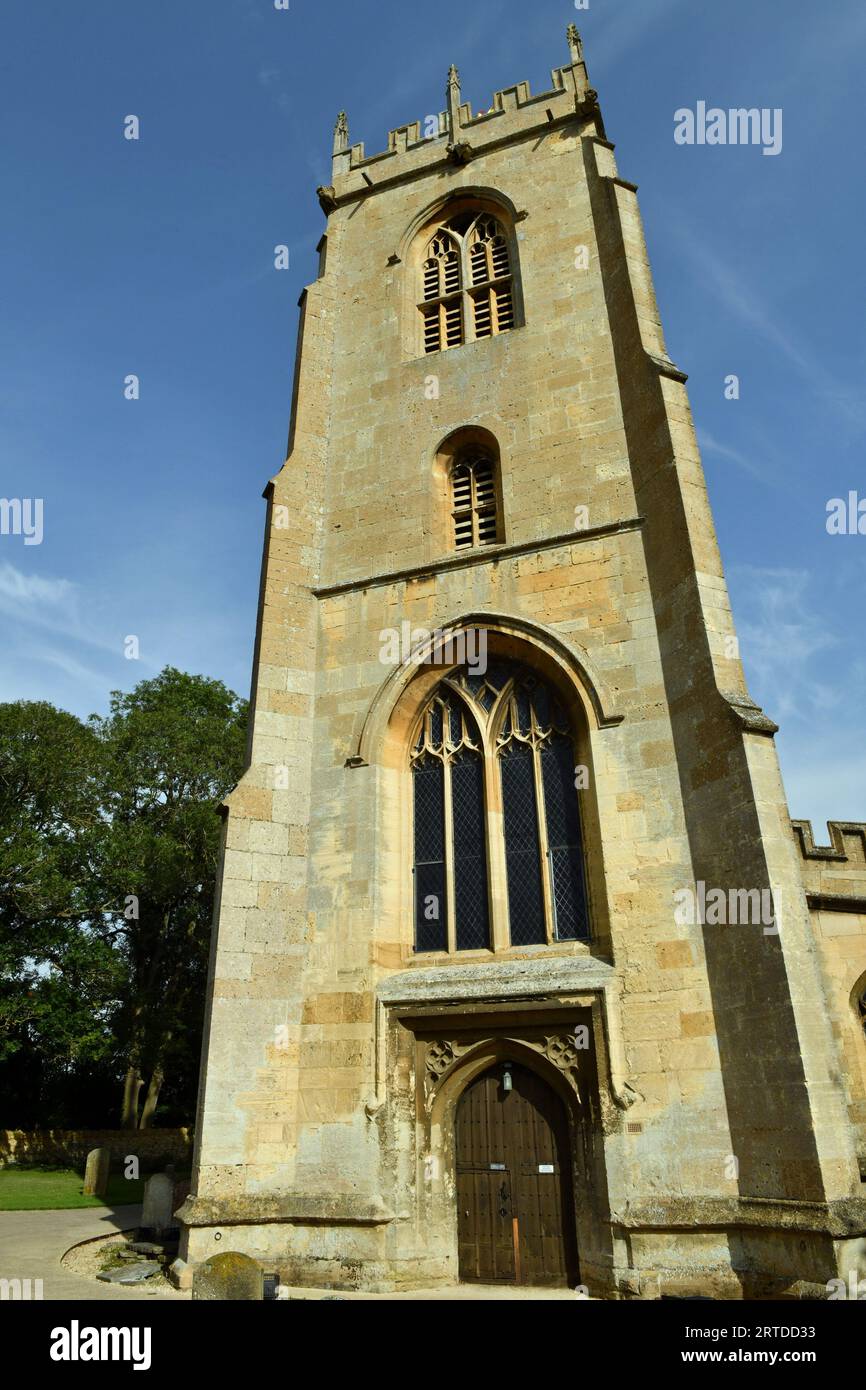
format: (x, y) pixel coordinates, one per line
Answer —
(710, 445)
(32, 602)
(812, 681)
(20, 593)
(742, 301)
(272, 81)
(781, 637)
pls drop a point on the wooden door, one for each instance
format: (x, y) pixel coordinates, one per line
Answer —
(515, 1219)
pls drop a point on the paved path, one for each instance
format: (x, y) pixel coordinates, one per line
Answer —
(459, 1293)
(32, 1244)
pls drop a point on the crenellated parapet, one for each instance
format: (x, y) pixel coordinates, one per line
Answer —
(455, 135)
(834, 875)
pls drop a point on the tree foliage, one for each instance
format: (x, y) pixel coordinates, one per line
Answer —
(109, 842)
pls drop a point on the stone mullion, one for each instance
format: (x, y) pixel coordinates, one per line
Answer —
(450, 879)
(497, 867)
(476, 526)
(543, 847)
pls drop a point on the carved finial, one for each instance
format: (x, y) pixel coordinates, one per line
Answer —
(341, 133)
(575, 44)
(452, 96)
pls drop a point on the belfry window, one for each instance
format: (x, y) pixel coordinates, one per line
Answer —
(480, 737)
(467, 289)
(474, 509)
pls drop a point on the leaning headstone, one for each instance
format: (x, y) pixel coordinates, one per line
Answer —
(96, 1172)
(156, 1211)
(229, 1275)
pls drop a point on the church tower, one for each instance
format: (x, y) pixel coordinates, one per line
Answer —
(513, 975)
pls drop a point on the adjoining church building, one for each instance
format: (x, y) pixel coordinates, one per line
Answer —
(521, 972)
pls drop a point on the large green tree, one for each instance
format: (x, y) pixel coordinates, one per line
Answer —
(59, 978)
(108, 849)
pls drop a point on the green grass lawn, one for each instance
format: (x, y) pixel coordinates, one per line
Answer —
(55, 1189)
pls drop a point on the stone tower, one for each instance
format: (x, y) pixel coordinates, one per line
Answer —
(504, 769)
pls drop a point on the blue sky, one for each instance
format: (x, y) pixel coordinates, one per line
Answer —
(155, 257)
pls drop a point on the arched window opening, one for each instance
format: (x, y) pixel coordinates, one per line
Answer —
(492, 298)
(543, 840)
(467, 282)
(451, 897)
(443, 307)
(504, 723)
(474, 510)
(861, 1008)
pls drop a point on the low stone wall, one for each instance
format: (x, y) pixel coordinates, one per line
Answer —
(68, 1148)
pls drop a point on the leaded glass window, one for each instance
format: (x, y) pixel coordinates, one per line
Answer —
(543, 840)
(451, 893)
(507, 723)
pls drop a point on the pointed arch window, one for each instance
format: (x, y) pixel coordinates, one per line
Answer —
(543, 840)
(474, 500)
(501, 732)
(467, 289)
(451, 894)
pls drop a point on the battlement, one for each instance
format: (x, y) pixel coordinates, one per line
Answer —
(848, 841)
(834, 875)
(456, 136)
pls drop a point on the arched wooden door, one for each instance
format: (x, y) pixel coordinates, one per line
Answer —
(515, 1213)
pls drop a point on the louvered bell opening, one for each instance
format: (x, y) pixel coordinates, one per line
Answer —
(485, 502)
(462, 529)
(453, 323)
(452, 272)
(487, 527)
(483, 481)
(461, 497)
(431, 278)
(461, 487)
(478, 263)
(481, 307)
(431, 329)
(499, 256)
(504, 307)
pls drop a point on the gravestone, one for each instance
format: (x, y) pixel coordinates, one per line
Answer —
(228, 1276)
(96, 1172)
(156, 1213)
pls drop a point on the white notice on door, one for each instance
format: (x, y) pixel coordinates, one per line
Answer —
(545, 1167)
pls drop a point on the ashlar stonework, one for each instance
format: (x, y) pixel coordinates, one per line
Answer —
(488, 438)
